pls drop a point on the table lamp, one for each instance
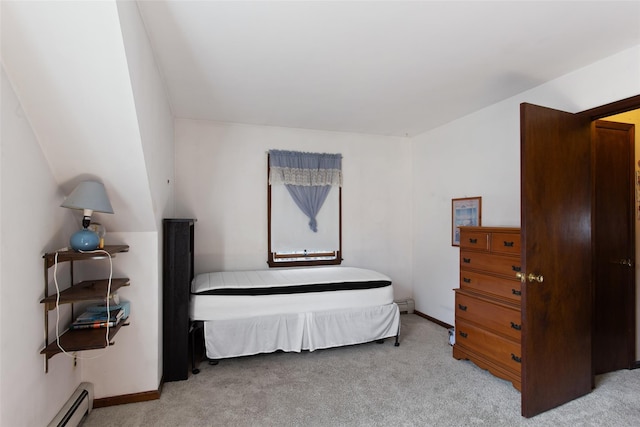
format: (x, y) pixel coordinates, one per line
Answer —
(88, 196)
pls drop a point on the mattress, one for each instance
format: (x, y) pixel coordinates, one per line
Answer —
(242, 294)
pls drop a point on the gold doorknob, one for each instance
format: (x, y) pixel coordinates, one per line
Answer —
(531, 277)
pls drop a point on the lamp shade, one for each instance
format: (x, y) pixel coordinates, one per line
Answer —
(89, 195)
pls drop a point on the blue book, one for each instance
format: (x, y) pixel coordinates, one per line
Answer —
(89, 317)
(102, 308)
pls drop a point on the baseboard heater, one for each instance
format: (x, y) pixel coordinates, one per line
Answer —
(406, 306)
(77, 407)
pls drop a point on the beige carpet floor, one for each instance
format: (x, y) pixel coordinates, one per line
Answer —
(415, 384)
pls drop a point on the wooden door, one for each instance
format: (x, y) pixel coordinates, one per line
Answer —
(614, 246)
(556, 249)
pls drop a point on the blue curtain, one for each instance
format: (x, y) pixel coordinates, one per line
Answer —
(307, 176)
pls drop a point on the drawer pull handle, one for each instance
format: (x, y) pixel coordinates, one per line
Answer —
(462, 307)
(516, 292)
(516, 358)
(516, 326)
(508, 244)
(473, 241)
(515, 267)
(466, 280)
(464, 334)
(466, 260)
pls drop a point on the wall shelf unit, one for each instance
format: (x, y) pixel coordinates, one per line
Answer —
(85, 291)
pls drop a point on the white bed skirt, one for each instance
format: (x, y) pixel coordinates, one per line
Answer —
(294, 332)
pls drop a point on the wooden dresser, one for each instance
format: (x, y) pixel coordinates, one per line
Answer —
(488, 320)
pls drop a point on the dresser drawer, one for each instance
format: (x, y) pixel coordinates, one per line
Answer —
(478, 240)
(503, 351)
(496, 317)
(498, 286)
(505, 243)
(498, 264)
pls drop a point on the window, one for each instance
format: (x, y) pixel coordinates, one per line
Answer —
(304, 209)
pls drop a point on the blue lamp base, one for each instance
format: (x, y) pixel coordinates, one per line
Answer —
(84, 240)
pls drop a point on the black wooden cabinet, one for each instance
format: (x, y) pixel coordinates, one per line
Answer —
(177, 267)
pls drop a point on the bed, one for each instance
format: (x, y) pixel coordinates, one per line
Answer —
(249, 312)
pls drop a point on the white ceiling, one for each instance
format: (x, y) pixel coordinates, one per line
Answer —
(386, 67)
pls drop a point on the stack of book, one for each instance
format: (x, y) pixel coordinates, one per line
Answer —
(98, 319)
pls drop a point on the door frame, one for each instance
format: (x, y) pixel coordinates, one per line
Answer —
(602, 112)
(620, 343)
(622, 106)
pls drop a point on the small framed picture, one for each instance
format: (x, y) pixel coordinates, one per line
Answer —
(466, 211)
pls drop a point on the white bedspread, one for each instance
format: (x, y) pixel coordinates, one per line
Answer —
(226, 307)
(285, 277)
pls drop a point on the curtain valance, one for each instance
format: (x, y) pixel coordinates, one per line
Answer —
(305, 169)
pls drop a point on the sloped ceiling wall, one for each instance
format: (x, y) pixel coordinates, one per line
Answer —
(67, 63)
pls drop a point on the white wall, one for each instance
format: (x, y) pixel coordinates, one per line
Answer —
(97, 106)
(68, 65)
(475, 156)
(155, 122)
(119, 373)
(480, 156)
(221, 180)
(31, 224)
(153, 113)
(133, 364)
